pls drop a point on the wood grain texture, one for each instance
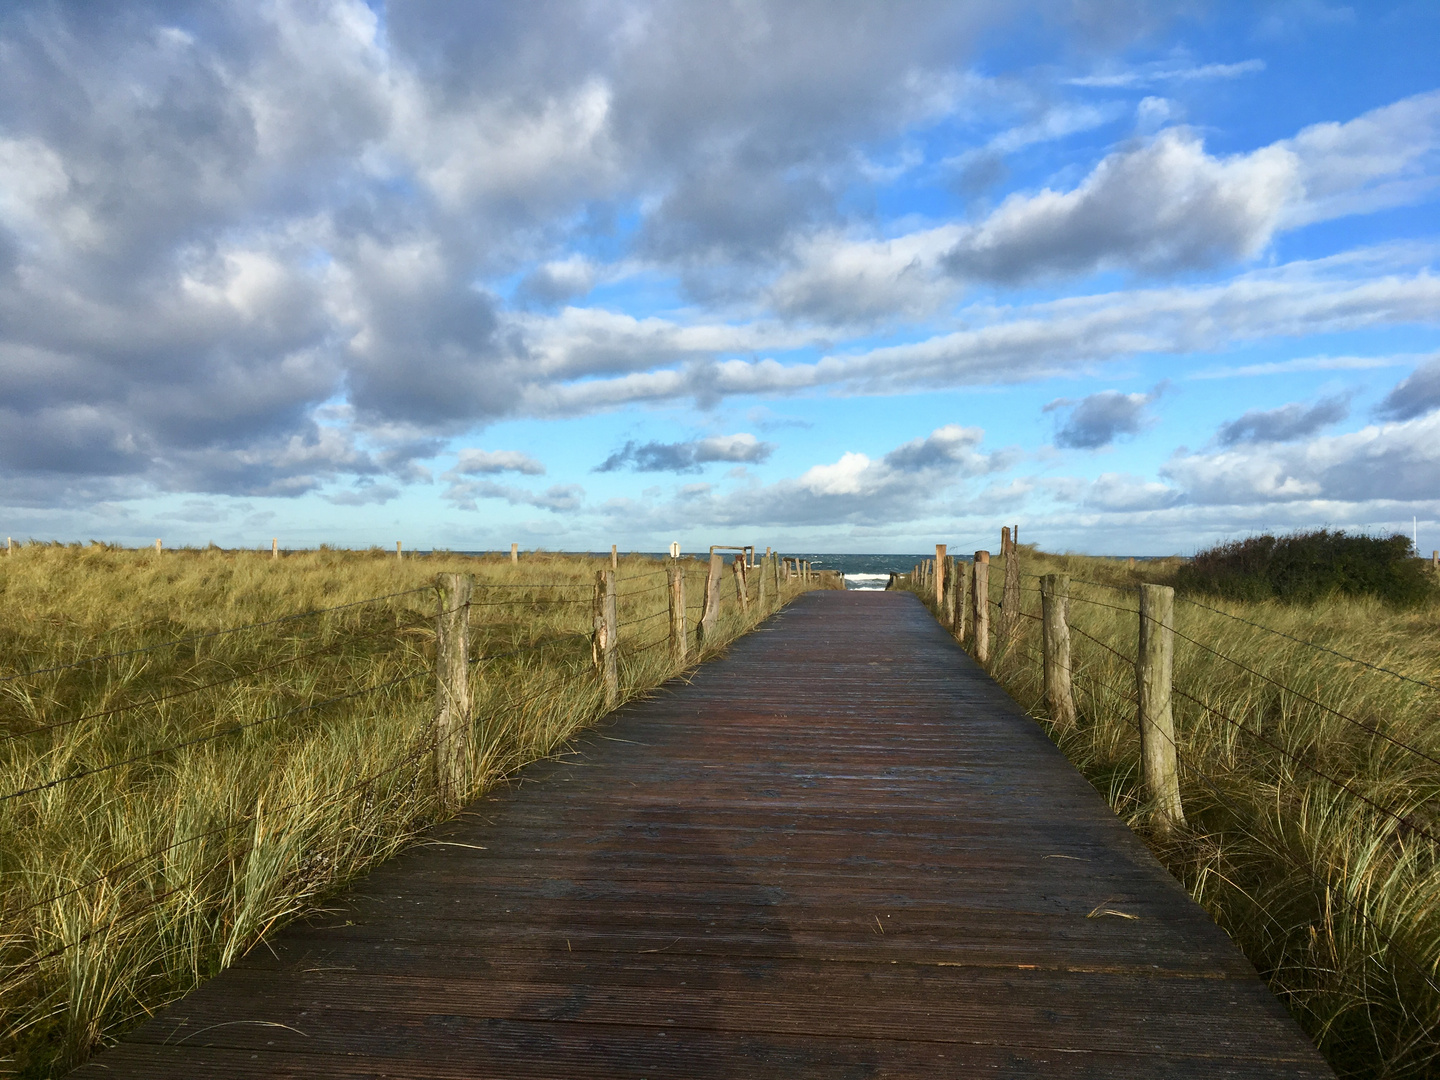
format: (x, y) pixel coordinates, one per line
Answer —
(841, 851)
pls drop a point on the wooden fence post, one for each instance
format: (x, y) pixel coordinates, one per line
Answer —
(452, 690)
(398, 553)
(1055, 616)
(158, 547)
(712, 598)
(275, 547)
(607, 633)
(679, 632)
(514, 553)
(762, 598)
(940, 577)
(947, 599)
(1154, 671)
(614, 557)
(961, 597)
(980, 606)
(1010, 600)
(737, 565)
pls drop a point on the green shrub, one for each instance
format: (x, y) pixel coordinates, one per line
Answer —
(1308, 567)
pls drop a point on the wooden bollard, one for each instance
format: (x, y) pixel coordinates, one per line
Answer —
(452, 690)
(980, 606)
(962, 595)
(1055, 624)
(939, 577)
(679, 633)
(737, 566)
(1010, 594)
(711, 613)
(514, 553)
(1154, 671)
(607, 634)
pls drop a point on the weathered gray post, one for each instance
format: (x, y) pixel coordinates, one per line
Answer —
(961, 596)
(761, 592)
(980, 610)
(737, 566)
(606, 636)
(1055, 620)
(940, 577)
(1154, 671)
(1009, 592)
(712, 598)
(452, 690)
(679, 636)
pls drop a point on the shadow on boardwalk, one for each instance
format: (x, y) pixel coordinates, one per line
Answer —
(840, 851)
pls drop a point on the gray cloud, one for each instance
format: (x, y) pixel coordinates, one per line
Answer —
(1099, 419)
(471, 462)
(1292, 421)
(561, 498)
(1161, 207)
(686, 457)
(1415, 395)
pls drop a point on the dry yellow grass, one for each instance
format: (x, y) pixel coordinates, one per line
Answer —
(231, 781)
(1311, 789)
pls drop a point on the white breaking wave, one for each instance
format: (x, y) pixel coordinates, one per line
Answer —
(866, 581)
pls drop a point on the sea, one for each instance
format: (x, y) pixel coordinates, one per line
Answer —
(861, 571)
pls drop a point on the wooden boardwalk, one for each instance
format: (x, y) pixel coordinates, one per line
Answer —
(842, 851)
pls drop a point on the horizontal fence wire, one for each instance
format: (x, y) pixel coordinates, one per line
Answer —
(534, 646)
(211, 634)
(230, 729)
(426, 746)
(515, 601)
(1306, 697)
(129, 706)
(1312, 644)
(1404, 821)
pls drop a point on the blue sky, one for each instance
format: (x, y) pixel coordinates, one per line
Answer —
(819, 276)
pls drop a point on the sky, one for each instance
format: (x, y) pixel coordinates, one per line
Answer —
(812, 274)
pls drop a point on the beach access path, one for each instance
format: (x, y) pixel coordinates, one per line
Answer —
(839, 851)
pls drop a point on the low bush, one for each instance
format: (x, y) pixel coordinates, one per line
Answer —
(1310, 567)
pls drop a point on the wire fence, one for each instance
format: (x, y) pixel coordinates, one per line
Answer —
(552, 620)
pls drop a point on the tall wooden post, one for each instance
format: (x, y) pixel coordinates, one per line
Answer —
(614, 557)
(1010, 594)
(980, 606)
(1154, 670)
(947, 600)
(607, 633)
(514, 553)
(452, 690)
(762, 591)
(679, 632)
(1055, 620)
(939, 577)
(398, 553)
(737, 565)
(775, 574)
(712, 598)
(158, 547)
(275, 547)
(961, 597)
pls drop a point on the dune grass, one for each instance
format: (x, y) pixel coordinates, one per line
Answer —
(168, 806)
(1311, 788)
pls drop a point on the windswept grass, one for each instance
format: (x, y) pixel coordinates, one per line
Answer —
(1311, 788)
(165, 808)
